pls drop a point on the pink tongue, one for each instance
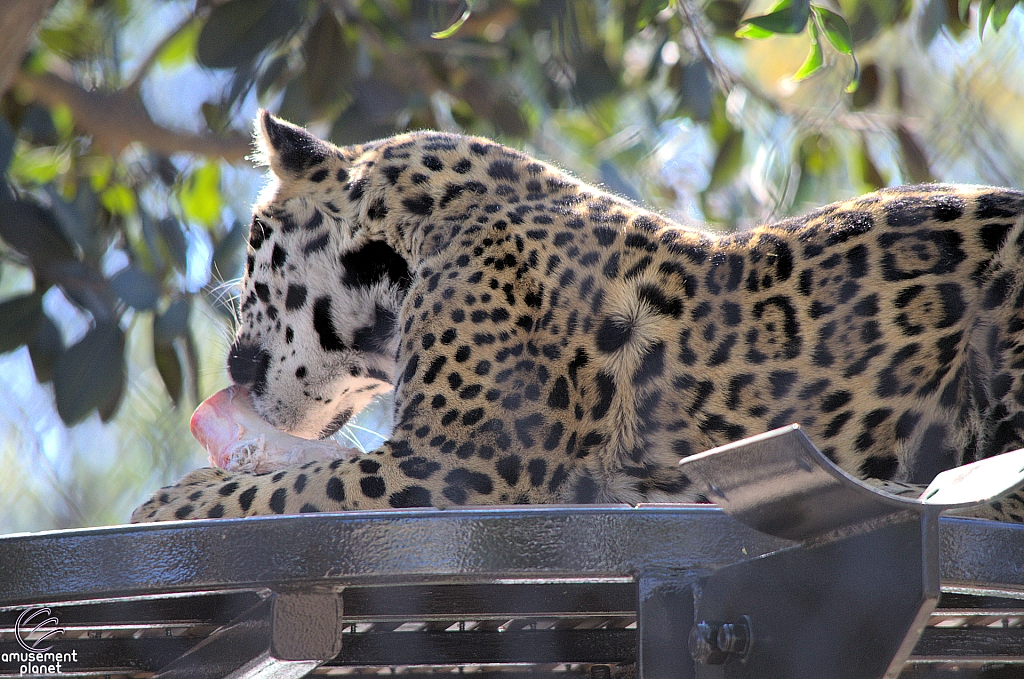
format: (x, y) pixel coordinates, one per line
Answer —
(223, 419)
(238, 439)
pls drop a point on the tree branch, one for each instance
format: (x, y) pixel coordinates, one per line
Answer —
(117, 119)
(18, 22)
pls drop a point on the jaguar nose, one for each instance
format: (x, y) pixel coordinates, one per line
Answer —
(247, 366)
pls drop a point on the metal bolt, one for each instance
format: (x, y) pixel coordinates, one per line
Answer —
(712, 642)
(704, 643)
(734, 638)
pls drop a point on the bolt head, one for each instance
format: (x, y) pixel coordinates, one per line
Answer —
(703, 643)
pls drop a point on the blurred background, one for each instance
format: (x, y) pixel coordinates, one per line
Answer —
(125, 126)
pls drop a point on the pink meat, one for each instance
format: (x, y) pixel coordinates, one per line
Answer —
(238, 439)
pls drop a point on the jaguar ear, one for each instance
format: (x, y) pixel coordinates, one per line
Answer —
(288, 149)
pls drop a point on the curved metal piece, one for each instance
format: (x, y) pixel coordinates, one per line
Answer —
(977, 483)
(802, 624)
(780, 484)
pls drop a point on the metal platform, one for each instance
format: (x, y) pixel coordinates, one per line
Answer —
(523, 593)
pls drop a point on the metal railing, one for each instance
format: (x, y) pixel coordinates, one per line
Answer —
(874, 586)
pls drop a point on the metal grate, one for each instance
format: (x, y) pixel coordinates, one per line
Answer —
(542, 592)
(513, 631)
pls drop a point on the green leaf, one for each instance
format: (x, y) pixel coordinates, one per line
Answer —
(238, 30)
(191, 362)
(933, 18)
(867, 89)
(39, 165)
(135, 287)
(983, 12)
(835, 29)
(44, 349)
(79, 219)
(330, 64)
(151, 248)
(173, 322)
(729, 159)
(168, 327)
(173, 236)
(63, 121)
(815, 60)
(99, 168)
(915, 161)
(20, 318)
(200, 195)
(60, 40)
(452, 30)
(181, 47)
(83, 284)
(119, 200)
(77, 38)
(785, 16)
(217, 116)
(752, 32)
(90, 374)
(869, 173)
(1001, 11)
(963, 6)
(34, 232)
(271, 75)
(168, 364)
(725, 15)
(855, 80)
(108, 407)
(650, 9)
(6, 145)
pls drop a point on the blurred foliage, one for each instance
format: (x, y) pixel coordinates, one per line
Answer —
(722, 111)
(794, 16)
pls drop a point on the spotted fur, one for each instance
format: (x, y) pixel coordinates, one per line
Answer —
(549, 342)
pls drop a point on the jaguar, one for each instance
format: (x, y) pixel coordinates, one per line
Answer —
(550, 342)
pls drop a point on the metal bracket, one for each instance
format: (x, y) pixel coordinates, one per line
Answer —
(850, 600)
(664, 617)
(286, 636)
